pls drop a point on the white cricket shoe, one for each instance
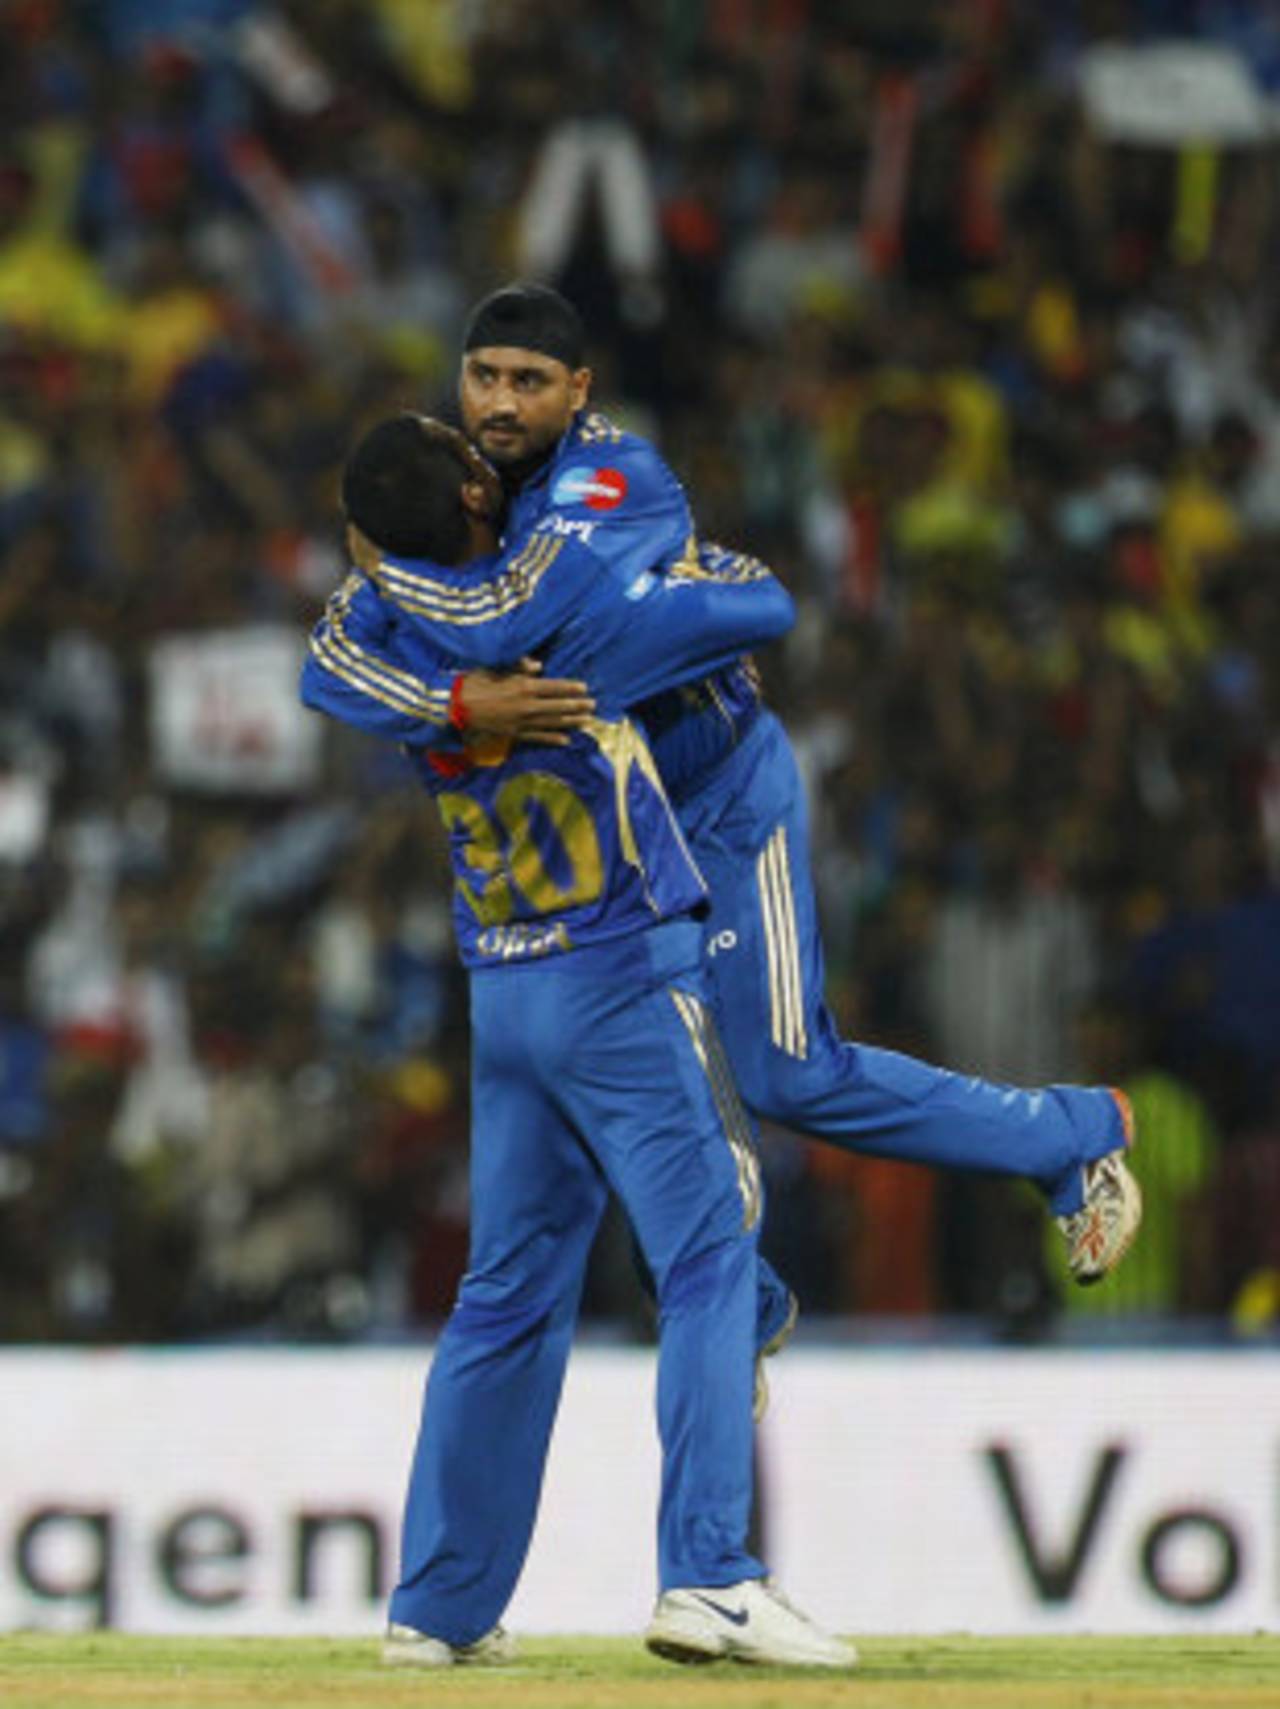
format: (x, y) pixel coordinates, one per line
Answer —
(1100, 1233)
(405, 1647)
(747, 1622)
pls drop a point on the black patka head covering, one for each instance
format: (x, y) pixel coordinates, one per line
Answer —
(528, 317)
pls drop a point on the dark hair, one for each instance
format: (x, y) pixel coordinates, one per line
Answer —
(528, 317)
(402, 487)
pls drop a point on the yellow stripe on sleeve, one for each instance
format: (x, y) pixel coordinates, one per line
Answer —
(449, 603)
(360, 669)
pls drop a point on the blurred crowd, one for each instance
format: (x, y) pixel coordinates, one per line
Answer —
(921, 314)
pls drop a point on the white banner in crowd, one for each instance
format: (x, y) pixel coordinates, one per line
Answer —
(1164, 94)
(225, 713)
(238, 1492)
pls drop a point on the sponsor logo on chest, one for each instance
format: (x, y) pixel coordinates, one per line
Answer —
(568, 527)
(598, 489)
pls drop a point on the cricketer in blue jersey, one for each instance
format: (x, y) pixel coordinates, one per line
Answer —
(551, 848)
(733, 779)
(595, 1061)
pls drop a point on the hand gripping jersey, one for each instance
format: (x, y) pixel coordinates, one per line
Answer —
(611, 491)
(551, 847)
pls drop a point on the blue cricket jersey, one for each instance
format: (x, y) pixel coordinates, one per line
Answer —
(551, 847)
(611, 490)
(616, 484)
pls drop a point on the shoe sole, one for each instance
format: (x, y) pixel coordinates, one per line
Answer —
(1089, 1278)
(686, 1654)
(689, 1650)
(414, 1656)
(682, 1651)
(403, 1658)
(398, 1659)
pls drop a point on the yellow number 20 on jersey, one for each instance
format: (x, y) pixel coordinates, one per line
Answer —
(520, 866)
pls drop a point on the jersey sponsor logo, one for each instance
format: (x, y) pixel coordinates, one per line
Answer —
(507, 943)
(568, 528)
(598, 489)
(642, 585)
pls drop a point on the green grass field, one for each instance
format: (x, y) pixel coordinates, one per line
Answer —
(54, 1672)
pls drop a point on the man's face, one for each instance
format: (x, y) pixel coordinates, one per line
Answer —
(517, 403)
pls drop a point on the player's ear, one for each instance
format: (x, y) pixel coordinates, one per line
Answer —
(579, 387)
(361, 550)
(478, 501)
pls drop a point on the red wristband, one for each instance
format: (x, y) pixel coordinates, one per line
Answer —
(458, 714)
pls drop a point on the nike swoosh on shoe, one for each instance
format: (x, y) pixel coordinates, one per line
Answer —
(735, 1616)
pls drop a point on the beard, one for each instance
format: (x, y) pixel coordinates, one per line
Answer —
(515, 473)
(516, 466)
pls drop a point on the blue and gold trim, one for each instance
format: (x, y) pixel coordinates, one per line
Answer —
(733, 1118)
(707, 562)
(597, 429)
(782, 943)
(625, 748)
(448, 600)
(369, 673)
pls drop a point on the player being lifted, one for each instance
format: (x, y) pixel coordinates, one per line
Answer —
(732, 777)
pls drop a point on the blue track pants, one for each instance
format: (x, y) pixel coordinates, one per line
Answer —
(593, 1070)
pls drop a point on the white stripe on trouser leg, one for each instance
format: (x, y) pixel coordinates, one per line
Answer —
(771, 946)
(722, 1076)
(777, 909)
(780, 926)
(791, 944)
(733, 1118)
(784, 1026)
